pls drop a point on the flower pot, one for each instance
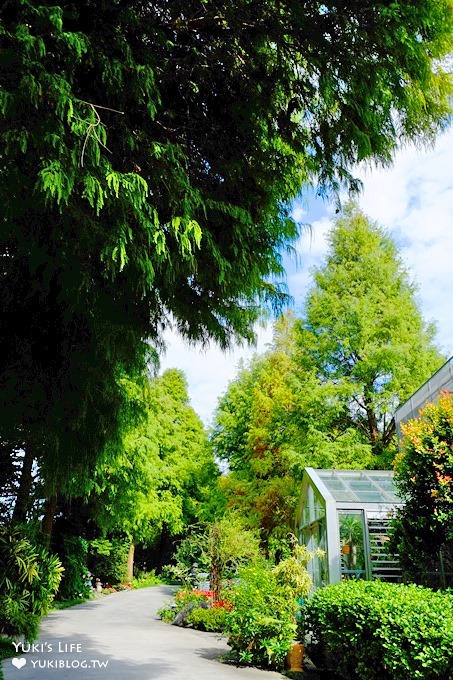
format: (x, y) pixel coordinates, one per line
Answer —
(295, 656)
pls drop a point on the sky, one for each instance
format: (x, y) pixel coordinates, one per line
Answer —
(413, 200)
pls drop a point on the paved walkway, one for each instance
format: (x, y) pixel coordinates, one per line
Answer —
(120, 637)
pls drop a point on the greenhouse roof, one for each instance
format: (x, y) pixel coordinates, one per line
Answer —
(442, 380)
(356, 486)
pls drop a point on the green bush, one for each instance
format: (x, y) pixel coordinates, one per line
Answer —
(384, 631)
(29, 579)
(261, 624)
(184, 602)
(108, 560)
(167, 614)
(145, 579)
(212, 619)
(184, 597)
(74, 583)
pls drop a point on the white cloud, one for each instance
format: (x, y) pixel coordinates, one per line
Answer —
(414, 201)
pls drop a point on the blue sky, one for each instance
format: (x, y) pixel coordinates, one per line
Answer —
(413, 200)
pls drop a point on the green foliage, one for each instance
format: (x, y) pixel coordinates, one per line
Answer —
(167, 614)
(74, 582)
(150, 154)
(29, 579)
(108, 559)
(165, 471)
(363, 332)
(211, 620)
(382, 631)
(424, 477)
(261, 625)
(145, 580)
(325, 392)
(185, 600)
(220, 548)
(291, 573)
(188, 596)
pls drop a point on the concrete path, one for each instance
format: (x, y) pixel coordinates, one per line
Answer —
(120, 637)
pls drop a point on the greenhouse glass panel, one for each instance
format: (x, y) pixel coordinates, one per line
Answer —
(347, 514)
(352, 545)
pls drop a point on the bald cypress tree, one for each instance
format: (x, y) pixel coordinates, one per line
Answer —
(149, 155)
(363, 330)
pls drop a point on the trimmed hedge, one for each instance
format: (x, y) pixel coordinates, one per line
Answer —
(384, 631)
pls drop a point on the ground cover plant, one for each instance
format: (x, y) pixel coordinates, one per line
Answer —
(372, 630)
(196, 608)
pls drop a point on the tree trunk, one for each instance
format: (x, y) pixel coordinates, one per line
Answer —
(130, 562)
(215, 580)
(25, 484)
(47, 520)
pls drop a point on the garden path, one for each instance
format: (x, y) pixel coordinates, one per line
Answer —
(120, 637)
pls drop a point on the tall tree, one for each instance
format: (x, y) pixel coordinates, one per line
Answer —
(150, 151)
(164, 473)
(325, 393)
(275, 418)
(363, 331)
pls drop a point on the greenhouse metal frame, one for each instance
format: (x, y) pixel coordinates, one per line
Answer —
(346, 514)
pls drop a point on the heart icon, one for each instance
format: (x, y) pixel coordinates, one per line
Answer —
(19, 662)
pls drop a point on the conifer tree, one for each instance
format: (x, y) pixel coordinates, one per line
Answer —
(149, 155)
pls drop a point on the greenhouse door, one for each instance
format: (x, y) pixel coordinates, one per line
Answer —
(353, 561)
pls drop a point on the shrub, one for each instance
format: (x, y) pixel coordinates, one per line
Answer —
(145, 579)
(185, 601)
(75, 581)
(185, 597)
(167, 614)
(424, 477)
(29, 579)
(261, 624)
(383, 631)
(109, 559)
(212, 619)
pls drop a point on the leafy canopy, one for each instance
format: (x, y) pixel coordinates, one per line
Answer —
(325, 392)
(149, 155)
(363, 331)
(163, 474)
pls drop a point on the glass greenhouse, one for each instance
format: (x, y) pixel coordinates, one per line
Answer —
(346, 513)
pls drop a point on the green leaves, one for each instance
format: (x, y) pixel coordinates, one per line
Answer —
(362, 327)
(29, 579)
(376, 631)
(424, 476)
(164, 471)
(150, 155)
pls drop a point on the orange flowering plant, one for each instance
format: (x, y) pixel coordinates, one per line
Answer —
(424, 477)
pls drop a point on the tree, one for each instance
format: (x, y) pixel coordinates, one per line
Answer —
(163, 474)
(149, 154)
(276, 418)
(325, 393)
(221, 547)
(363, 332)
(424, 477)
